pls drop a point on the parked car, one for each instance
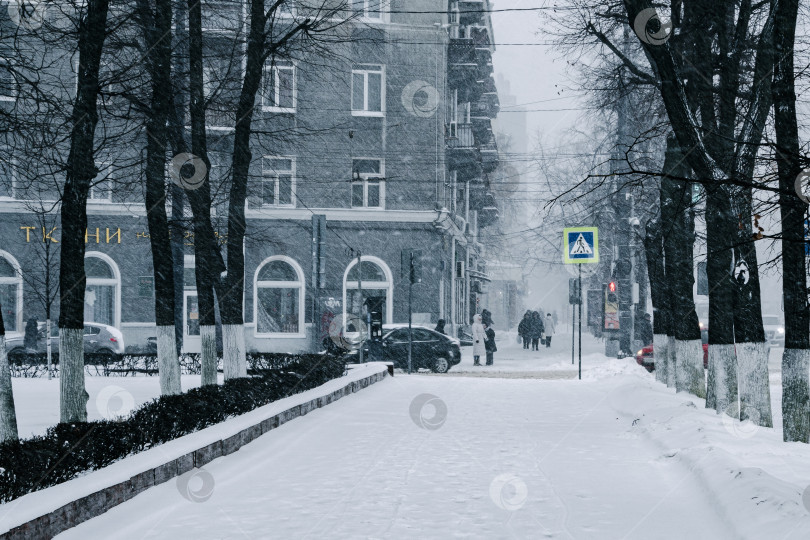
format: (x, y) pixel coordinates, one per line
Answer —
(431, 349)
(646, 357)
(774, 330)
(99, 339)
(465, 336)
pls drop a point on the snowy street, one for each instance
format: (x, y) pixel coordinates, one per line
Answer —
(615, 455)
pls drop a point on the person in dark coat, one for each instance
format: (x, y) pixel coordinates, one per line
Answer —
(536, 330)
(31, 335)
(489, 343)
(440, 326)
(524, 329)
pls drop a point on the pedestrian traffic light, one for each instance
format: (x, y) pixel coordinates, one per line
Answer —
(611, 313)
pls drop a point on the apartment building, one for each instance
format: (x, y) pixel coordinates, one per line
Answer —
(379, 143)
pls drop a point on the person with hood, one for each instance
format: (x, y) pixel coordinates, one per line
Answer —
(536, 330)
(524, 329)
(440, 326)
(489, 343)
(549, 329)
(479, 337)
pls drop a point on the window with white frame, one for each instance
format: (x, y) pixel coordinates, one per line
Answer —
(374, 10)
(278, 181)
(101, 185)
(368, 183)
(8, 85)
(278, 88)
(11, 292)
(371, 278)
(222, 15)
(279, 297)
(286, 9)
(452, 113)
(8, 176)
(102, 290)
(368, 91)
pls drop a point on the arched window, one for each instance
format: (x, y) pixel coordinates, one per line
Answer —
(11, 292)
(278, 293)
(102, 295)
(377, 284)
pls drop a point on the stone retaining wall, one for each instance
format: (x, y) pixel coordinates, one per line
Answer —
(95, 504)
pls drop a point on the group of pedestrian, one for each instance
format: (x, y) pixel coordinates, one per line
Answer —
(534, 330)
(483, 338)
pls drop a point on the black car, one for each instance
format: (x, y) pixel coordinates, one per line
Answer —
(431, 349)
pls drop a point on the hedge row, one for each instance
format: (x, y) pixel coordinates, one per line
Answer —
(68, 450)
(35, 364)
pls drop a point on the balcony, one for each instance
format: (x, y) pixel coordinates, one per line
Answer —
(488, 210)
(486, 107)
(460, 136)
(463, 63)
(461, 150)
(489, 157)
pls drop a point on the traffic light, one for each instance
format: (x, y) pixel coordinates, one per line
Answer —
(412, 265)
(574, 294)
(611, 314)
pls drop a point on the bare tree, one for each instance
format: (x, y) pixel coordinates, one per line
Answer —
(158, 36)
(8, 413)
(80, 171)
(796, 356)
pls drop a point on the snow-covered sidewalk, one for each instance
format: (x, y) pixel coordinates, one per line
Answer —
(615, 455)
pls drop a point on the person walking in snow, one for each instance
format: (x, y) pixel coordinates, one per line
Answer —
(479, 336)
(524, 329)
(536, 330)
(549, 329)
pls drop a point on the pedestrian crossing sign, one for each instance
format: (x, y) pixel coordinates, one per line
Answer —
(581, 245)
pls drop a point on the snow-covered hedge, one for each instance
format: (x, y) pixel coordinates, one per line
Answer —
(36, 365)
(68, 450)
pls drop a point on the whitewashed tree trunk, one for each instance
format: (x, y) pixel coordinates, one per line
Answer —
(8, 414)
(689, 361)
(208, 354)
(72, 394)
(233, 354)
(661, 355)
(723, 358)
(795, 382)
(754, 386)
(168, 364)
(671, 361)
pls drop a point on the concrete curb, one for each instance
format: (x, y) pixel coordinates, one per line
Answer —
(95, 504)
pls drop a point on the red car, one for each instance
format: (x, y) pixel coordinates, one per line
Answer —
(646, 358)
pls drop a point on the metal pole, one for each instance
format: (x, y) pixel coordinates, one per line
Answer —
(360, 289)
(579, 308)
(316, 320)
(48, 346)
(573, 334)
(410, 312)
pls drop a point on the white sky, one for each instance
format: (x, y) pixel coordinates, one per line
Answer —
(534, 71)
